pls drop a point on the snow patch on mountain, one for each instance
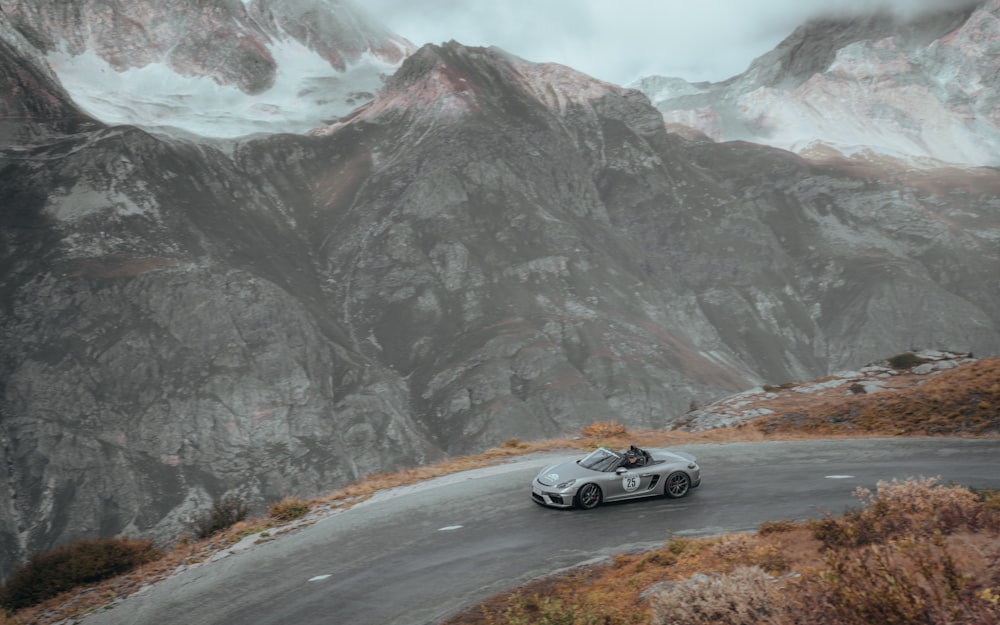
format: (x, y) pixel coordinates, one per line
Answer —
(307, 92)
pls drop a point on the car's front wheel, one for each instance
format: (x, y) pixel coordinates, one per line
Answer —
(589, 496)
(678, 484)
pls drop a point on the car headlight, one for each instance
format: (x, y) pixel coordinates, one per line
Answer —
(565, 484)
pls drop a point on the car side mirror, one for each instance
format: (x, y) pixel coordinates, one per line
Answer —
(621, 470)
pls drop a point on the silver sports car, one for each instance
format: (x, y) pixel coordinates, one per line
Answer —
(605, 475)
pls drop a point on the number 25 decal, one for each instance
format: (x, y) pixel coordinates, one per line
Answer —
(630, 482)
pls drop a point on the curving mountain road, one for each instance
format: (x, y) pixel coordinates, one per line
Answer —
(418, 554)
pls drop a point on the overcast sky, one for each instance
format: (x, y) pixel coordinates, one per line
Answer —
(621, 40)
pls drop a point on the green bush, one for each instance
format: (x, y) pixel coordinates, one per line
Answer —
(775, 527)
(288, 509)
(906, 360)
(80, 563)
(225, 513)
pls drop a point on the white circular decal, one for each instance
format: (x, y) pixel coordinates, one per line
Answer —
(630, 481)
(553, 476)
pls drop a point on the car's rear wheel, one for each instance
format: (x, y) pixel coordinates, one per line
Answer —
(589, 496)
(678, 484)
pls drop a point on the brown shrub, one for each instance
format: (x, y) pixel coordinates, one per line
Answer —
(224, 513)
(913, 507)
(906, 582)
(747, 595)
(79, 563)
(604, 429)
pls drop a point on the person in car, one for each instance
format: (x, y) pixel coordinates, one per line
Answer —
(633, 458)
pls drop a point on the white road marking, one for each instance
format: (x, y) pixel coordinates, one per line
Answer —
(839, 477)
(318, 578)
(449, 528)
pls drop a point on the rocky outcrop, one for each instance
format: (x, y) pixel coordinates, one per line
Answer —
(922, 88)
(490, 249)
(790, 398)
(32, 101)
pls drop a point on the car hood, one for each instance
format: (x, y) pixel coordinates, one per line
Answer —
(557, 473)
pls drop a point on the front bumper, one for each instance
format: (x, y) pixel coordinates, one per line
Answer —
(548, 496)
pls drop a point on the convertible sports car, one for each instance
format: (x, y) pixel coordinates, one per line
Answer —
(605, 475)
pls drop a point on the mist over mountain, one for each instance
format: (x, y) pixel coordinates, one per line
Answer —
(485, 248)
(922, 90)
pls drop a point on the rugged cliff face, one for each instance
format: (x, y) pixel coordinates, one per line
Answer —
(489, 249)
(922, 89)
(165, 339)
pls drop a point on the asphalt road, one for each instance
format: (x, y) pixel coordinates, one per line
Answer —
(415, 555)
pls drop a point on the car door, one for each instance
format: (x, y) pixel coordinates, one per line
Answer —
(626, 484)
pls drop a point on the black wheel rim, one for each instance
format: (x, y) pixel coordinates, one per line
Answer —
(590, 496)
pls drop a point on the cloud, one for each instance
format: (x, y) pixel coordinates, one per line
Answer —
(626, 39)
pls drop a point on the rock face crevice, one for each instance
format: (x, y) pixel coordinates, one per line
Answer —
(490, 249)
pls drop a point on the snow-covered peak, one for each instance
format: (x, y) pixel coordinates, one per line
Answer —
(220, 70)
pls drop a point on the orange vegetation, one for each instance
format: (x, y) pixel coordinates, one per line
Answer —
(961, 401)
(897, 560)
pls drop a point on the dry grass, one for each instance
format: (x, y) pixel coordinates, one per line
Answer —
(960, 402)
(948, 572)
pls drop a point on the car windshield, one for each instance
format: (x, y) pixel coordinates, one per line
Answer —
(601, 460)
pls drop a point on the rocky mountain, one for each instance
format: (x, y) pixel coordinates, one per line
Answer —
(489, 248)
(922, 88)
